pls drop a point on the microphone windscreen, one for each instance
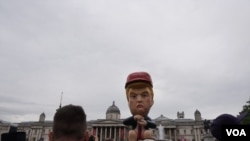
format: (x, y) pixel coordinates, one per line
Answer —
(216, 125)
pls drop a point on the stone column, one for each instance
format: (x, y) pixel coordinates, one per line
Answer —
(92, 131)
(170, 133)
(115, 133)
(101, 128)
(105, 133)
(119, 133)
(110, 130)
(175, 138)
(96, 131)
(125, 135)
(195, 133)
(199, 134)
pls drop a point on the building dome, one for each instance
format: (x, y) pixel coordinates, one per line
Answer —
(113, 109)
(113, 112)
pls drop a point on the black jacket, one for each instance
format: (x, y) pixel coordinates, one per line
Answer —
(130, 121)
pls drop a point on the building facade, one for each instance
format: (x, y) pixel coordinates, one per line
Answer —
(36, 131)
(179, 129)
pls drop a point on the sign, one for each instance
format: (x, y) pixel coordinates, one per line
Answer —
(236, 132)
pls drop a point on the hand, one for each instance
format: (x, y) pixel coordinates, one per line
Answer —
(140, 120)
(138, 117)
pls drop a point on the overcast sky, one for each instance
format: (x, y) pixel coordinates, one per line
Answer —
(197, 52)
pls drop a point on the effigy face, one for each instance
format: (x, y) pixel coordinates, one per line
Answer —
(140, 100)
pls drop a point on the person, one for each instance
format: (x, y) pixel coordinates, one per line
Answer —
(225, 119)
(139, 93)
(90, 137)
(69, 124)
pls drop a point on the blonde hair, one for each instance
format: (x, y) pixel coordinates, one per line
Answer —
(139, 85)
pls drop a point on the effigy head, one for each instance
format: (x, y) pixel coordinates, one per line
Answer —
(139, 93)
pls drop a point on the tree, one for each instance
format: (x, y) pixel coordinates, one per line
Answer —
(246, 108)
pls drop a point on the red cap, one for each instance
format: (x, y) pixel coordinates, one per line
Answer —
(139, 77)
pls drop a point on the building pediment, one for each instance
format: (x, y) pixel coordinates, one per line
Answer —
(106, 122)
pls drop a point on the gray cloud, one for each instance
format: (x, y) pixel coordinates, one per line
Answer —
(196, 51)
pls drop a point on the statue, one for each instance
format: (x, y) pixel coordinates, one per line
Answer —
(139, 92)
(206, 125)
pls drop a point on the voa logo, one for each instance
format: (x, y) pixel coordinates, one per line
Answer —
(236, 132)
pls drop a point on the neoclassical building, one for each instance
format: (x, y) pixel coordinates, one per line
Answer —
(179, 129)
(36, 131)
(111, 127)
